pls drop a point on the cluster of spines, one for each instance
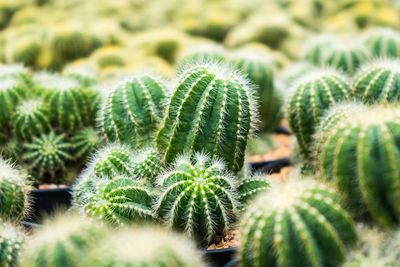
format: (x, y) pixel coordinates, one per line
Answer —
(147, 164)
(250, 187)
(201, 53)
(383, 42)
(11, 242)
(212, 109)
(85, 142)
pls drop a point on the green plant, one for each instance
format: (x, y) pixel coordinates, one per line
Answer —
(378, 81)
(198, 199)
(84, 187)
(212, 109)
(296, 223)
(132, 111)
(317, 47)
(289, 75)
(85, 76)
(11, 94)
(17, 72)
(311, 97)
(250, 187)
(14, 196)
(357, 149)
(11, 242)
(85, 142)
(201, 53)
(11, 150)
(31, 119)
(147, 164)
(383, 42)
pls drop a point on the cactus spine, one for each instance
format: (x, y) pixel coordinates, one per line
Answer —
(11, 94)
(212, 109)
(11, 241)
(85, 142)
(250, 187)
(198, 199)
(131, 111)
(297, 223)
(147, 164)
(383, 42)
(311, 97)
(359, 153)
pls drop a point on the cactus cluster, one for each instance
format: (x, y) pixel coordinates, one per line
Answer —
(11, 242)
(383, 42)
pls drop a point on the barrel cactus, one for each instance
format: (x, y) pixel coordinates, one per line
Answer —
(383, 42)
(85, 142)
(131, 112)
(316, 48)
(358, 151)
(378, 81)
(12, 92)
(201, 53)
(250, 187)
(147, 164)
(16, 71)
(311, 97)
(212, 109)
(11, 242)
(198, 199)
(31, 119)
(296, 223)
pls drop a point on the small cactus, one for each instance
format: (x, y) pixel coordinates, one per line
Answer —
(85, 142)
(12, 92)
(147, 164)
(378, 82)
(201, 53)
(317, 47)
(132, 111)
(311, 97)
(296, 223)
(31, 119)
(212, 109)
(198, 199)
(11, 242)
(383, 42)
(14, 197)
(250, 187)
(357, 150)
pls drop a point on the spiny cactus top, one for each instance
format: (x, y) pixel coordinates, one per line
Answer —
(317, 47)
(378, 81)
(12, 92)
(297, 223)
(359, 153)
(198, 199)
(85, 76)
(212, 109)
(383, 42)
(250, 187)
(201, 53)
(295, 71)
(11, 242)
(31, 119)
(312, 95)
(146, 247)
(147, 164)
(131, 112)
(15, 71)
(14, 200)
(85, 142)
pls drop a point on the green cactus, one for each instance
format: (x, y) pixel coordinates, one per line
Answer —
(317, 47)
(132, 111)
(86, 77)
(83, 189)
(311, 97)
(147, 164)
(250, 187)
(145, 247)
(378, 82)
(17, 72)
(12, 92)
(383, 42)
(11, 242)
(14, 196)
(198, 199)
(212, 109)
(296, 223)
(201, 53)
(357, 149)
(85, 142)
(121, 201)
(31, 119)
(47, 154)
(289, 75)
(11, 150)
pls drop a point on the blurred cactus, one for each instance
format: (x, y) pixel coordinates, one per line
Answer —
(11, 242)
(201, 53)
(12, 92)
(85, 142)
(317, 47)
(250, 187)
(147, 164)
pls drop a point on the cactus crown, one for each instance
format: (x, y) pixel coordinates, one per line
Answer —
(147, 164)
(11, 242)
(383, 42)
(201, 53)
(14, 71)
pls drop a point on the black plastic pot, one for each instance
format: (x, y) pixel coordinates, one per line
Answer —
(232, 263)
(270, 166)
(219, 257)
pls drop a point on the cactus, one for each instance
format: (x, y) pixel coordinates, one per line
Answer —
(312, 95)
(296, 223)
(11, 242)
(289, 75)
(31, 119)
(47, 154)
(383, 42)
(213, 110)
(17, 72)
(131, 112)
(12, 92)
(85, 142)
(147, 164)
(378, 82)
(144, 247)
(83, 189)
(86, 77)
(346, 57)
(357, 150)
(250, 187)
(11, 150)
(121, 201)
(14, 197)
(201, 53)
(198, 199)
(317, 47)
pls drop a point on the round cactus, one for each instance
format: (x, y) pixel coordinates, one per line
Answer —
(290, 75)
(201, 53)
(86, 77)
(14, 199)
(11, 242)
(297, 223)
(250, 187)
(358, 150)
(47, 154)
(317, 47)
(12, 92)
(383, 42)
(147, 164)
(144, 247)
(198, 199)
(16, 71)
(11, 150)
(85, 142)
(378, 81)
(311, 97)
(213, 110)
(31, 119)
(121, 201)
(132, 111)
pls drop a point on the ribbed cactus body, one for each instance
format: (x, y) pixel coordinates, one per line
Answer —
(346, 57)
(12, 92)
(147, 164)
(311, 98)
(298, 223)
(198, 199)
(383, 42)
(359, 153)
(121, 201)
(250, 187)
(11, 242)
(85, 142)
(378, 82)
(31, 119)
(212, 109)
(201, 53)
(132, 111)
(317, 47)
